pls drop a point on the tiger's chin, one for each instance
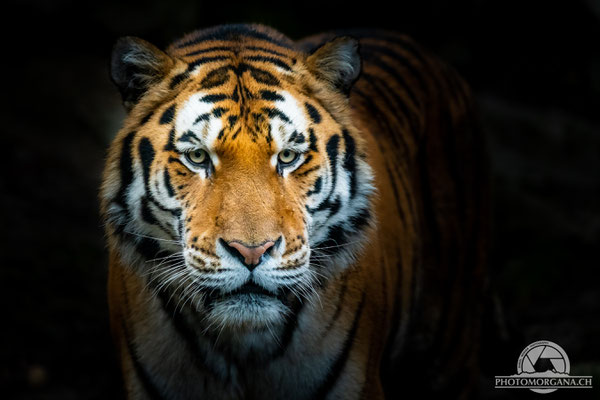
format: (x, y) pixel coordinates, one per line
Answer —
(246, 312)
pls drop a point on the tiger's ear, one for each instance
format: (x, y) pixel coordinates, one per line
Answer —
(337, 62)
(135, 65)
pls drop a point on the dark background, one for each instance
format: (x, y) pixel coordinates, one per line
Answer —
(534, 66)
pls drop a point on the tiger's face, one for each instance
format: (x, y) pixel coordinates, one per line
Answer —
(236, 183)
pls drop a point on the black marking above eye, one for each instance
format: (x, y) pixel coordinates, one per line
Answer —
(273, 112)
(300, 138)
(215, 78)
(213, 98)
(260, 75)
(270, 95)
(189, 137)
(202, 117)
(167, 116)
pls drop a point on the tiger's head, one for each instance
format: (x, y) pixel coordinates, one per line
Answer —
(239, 181)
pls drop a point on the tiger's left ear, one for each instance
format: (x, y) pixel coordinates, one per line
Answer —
(337, 62)
(136, 65)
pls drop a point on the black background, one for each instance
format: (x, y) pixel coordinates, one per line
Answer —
(534, 66)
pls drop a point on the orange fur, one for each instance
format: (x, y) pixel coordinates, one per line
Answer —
(413, 295)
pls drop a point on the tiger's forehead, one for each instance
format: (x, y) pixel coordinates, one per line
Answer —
(221, 118)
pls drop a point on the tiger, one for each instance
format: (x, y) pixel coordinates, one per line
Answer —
(294, 219)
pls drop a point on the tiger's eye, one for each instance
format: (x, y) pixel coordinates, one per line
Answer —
(197, 157)
(287, 156)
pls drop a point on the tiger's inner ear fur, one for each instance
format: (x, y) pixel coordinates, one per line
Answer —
(337, 62)
(135, 65)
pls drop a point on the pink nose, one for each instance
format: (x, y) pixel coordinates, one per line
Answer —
(251, 254)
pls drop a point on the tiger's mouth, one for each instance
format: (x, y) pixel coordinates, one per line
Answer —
(248, 291)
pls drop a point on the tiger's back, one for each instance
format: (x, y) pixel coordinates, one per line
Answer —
(405, 316)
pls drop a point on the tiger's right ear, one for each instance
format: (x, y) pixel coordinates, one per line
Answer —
(135, 65)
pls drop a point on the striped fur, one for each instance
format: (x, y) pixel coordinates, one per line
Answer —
(377, 273)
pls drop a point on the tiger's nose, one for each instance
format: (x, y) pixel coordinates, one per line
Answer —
(251, 254)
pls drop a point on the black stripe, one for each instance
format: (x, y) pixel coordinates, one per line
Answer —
(167, 179)
(126, 169)
(394, 103)
(205, 60)
(350, 160)
(397, 57)
(271, 60)
(260, 75)
(317, 187)
(202, 117)
(216, 77)
(167, 116)
(334, 207)
(306, 161)
(170, 146)
(188, 334)
(300, 139)
(360, 220)
(177, 79)
(213, 98)
(312, 140)
(339, 306)
(235, 96)
(340, 362)
(395, 74)
(147, 154)
(146, 118)
(236, 133)
(332, 152)
(257, 48)
(336, 237)
(270, 95)
(308, 171)
(234, 32)
(210, 49)
(313, 113)
(176, 160)
(382, 120)
(189, 137)
(146, 213)
(232, 119)
(273, 112)
(219, 111)
(291, 325)
(392, 182)
(143, 376)
(147, 247)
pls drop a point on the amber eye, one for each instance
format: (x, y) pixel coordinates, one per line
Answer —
(287, 157)
(197, 157)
